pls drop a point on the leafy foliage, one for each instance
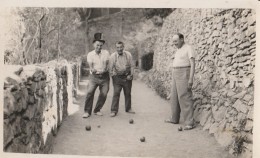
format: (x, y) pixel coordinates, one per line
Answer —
(161, 12)
(44, 34)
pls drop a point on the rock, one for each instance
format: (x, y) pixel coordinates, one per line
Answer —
(30, 112)
(219, 114)
(247, 82)
(247, 97)
(213, 128)
(18, 72)
(250, 31)
(208, 123)
(204, 117)
(239, 95)
(231, 93)
(251, 20)
(249, 126)
(250, 114)
(224, 138)
(240, 106)
(8, 133)
(231, 52)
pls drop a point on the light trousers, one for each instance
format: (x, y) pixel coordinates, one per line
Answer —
(181, 96)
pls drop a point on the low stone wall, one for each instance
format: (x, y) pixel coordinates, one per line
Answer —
(224, 41)
(36, 101)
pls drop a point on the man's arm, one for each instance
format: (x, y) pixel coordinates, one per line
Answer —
(91, 64)
(130, 58)
(192, 71)
(111, 65)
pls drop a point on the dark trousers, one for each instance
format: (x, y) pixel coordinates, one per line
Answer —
(103, 84)
(119, 83)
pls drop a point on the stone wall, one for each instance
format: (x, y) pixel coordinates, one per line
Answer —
(224, 41)
(36, 101)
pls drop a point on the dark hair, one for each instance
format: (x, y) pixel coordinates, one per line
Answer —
(120, 42)
(180, 36)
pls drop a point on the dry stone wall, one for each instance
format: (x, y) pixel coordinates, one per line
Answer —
(225, 43)
(36, 101)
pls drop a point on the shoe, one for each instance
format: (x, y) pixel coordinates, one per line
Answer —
(170, 121)
(113, 114)
(98, 113)
(188, 127)
(85, 115)
(130, 111)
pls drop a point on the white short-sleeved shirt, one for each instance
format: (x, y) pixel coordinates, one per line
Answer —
(99, 61)
(183, 55)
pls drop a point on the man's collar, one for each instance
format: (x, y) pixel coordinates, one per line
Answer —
(120, 54)
(97, 52)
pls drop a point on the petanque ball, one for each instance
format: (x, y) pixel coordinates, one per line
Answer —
(131, 121)
(180, 129)
(88, 128)
(142, 139)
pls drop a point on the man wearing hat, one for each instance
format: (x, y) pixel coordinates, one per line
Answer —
(98, 61)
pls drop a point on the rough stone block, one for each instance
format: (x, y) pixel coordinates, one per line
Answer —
(240, 106)
(204, 117)
(208, 123)
(250, 114)
(213, 128)
(239, 95)
(225, 138)
(219, 114)
(249, 126)
(8, 133)
(247, 82)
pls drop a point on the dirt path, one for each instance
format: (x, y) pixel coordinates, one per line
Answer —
(116, 137)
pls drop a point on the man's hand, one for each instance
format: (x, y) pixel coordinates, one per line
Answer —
(129, 77)
(94, 71)
(190, 83)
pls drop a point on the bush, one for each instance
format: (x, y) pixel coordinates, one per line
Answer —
(162, 12)
(147, 61)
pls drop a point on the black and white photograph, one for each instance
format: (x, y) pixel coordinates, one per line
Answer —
(129, 79)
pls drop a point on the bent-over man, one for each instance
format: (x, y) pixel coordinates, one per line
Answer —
(121, 69)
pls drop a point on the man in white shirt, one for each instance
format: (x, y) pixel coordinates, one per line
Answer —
(98, 61)
(182, 80)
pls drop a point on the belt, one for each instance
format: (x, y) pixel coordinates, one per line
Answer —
(181, 67)
(101, 75)
(121, 76)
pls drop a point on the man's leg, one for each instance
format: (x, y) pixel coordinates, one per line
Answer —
(127, 87)
(103, 88)
(116, 95)
(90, 96)
(185, 97)
(175, 106)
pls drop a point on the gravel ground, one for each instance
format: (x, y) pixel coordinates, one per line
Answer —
(117, 137)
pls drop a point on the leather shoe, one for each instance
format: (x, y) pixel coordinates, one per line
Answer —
(113, 114)
(130, 111)
(98, 113)
(85, 115)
